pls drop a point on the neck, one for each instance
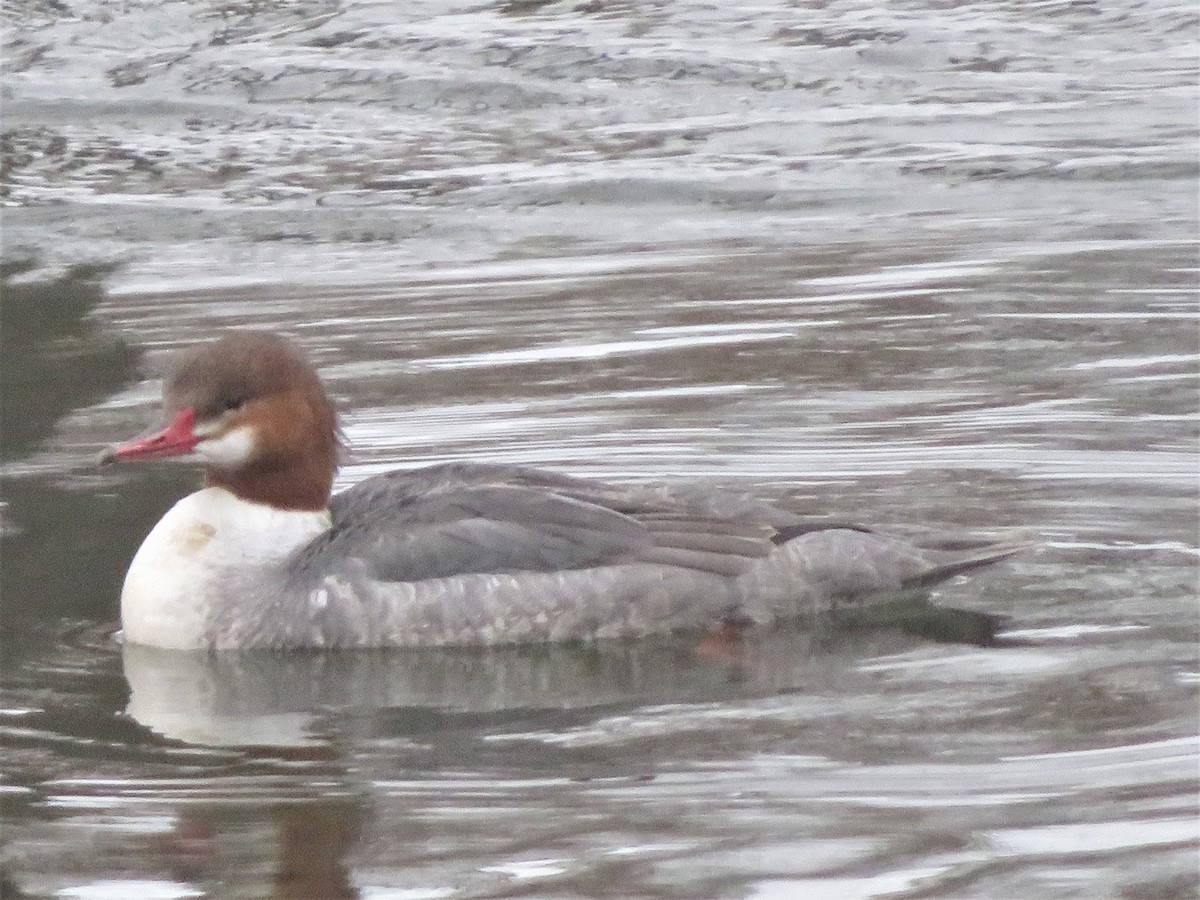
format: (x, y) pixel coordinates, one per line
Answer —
(302, 487)
(298, 481)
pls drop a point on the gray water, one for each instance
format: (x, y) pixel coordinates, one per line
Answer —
(927, 265)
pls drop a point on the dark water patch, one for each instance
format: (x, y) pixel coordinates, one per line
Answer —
(55, 358)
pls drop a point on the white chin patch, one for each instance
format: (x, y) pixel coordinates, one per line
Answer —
(232, 449)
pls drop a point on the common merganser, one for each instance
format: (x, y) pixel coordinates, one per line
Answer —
(457, 553)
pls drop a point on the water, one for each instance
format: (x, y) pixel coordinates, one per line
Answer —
(927, 265)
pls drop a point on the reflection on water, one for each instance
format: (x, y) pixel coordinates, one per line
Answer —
(930, 266)
(796, 764)
(276, 700)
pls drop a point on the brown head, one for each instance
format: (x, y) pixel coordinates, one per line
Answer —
(249, 407)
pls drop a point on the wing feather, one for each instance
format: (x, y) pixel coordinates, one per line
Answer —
(459, 519)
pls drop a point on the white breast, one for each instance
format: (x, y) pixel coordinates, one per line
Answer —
(205, 543)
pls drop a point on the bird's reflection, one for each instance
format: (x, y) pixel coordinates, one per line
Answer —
(270, 699)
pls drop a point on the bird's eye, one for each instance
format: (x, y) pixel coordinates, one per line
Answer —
(229, 404)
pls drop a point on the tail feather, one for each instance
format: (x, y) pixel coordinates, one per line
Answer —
(981, 555)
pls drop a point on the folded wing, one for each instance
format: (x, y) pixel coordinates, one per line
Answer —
(462, 519)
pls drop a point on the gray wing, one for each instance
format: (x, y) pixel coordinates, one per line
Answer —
(459, 519)
(700, 500)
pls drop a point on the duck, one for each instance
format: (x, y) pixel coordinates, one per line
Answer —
(265, 556)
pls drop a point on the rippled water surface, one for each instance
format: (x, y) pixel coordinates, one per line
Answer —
(926, 265)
